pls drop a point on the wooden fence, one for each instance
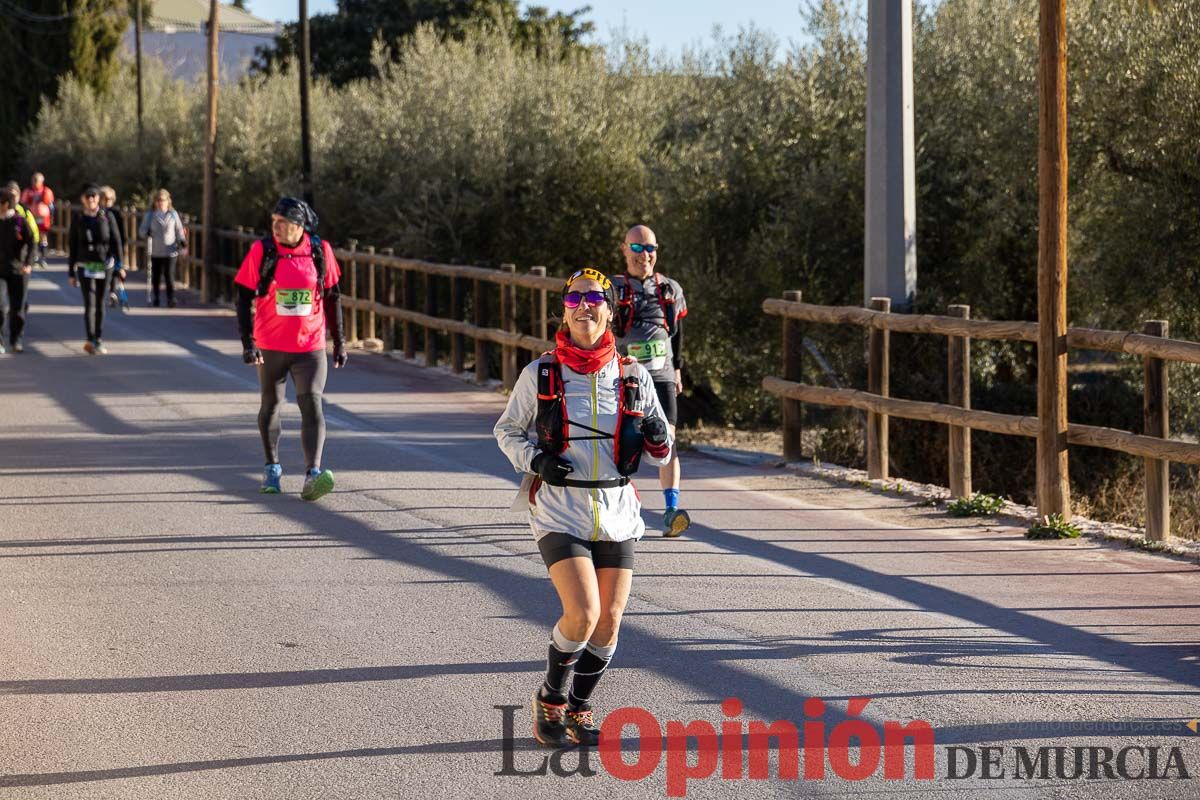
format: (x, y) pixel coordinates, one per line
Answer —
(1152, 345)
(391, 302)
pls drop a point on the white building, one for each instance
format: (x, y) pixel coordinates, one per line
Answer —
(174, 33)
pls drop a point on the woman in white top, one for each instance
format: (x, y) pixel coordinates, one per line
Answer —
(165, 238)
(577, 423)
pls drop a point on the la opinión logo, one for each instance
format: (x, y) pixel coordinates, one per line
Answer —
(852, 750)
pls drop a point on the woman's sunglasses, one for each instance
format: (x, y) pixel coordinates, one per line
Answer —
(643, 248)
(573, 299)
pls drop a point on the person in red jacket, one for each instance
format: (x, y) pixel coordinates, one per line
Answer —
(290, 279)
(39, 199)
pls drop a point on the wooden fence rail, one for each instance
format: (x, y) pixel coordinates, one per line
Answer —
(380, 298)
(1152, 345)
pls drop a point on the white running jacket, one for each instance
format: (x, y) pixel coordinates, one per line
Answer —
(607, 515)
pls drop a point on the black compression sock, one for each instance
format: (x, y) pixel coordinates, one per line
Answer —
(562, 655)
(588, 670)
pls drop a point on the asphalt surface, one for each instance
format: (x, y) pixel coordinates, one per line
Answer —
(170, 633)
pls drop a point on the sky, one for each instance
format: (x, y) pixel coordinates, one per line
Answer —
(670, 24)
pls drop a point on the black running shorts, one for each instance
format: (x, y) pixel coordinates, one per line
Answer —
(666, 398)
(555, 547)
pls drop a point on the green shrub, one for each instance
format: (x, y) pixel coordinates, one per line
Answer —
(1053, 527)
(979, 504)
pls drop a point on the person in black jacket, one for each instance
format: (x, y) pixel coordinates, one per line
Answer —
(94, 247)
(116, 293)
(18, 244)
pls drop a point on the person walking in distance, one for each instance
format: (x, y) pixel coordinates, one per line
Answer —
(165, 237)
(94, 244)
(39, 199)
(592, 415)
(15, 188)
(648, 322)
(116, 293)
(290, 280)
(17, 250)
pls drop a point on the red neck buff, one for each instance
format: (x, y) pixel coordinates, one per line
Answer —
(585, 362)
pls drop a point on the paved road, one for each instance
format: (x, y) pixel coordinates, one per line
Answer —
(171, 633)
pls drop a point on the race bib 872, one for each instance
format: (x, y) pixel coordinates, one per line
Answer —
(293, 302)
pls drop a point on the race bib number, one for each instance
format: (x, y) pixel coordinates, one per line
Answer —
(653, 350)
(93, 271)
(650, 354)
(293, 302)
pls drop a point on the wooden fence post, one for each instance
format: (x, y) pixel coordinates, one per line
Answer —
(479, 313)
(1157, 423)
(371, 273)
(508, 318)
(959, 357)
(389, 324)
(408, 293)
(457, 290)
(878, 382)
(352, 325)
(431, 356)
(348, 313)
(541, 327)
(793, 354)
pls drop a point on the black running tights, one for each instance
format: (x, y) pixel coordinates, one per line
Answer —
(95, 295)
(162, 268)
(308, 371)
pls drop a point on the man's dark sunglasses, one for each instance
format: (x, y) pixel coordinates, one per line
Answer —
(572, 299)
(639, 248)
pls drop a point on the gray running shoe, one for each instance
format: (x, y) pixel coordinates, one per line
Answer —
(581, 727)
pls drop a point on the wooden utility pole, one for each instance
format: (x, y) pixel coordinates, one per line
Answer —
(1054, 491)
(210, 150)
(137, 46)
(305, 131)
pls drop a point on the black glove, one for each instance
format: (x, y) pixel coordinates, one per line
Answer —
(339, 355)
(655, 430)
(252, 355)
(552, 469)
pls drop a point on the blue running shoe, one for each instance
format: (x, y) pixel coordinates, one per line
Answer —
(317, 484)
(271, 475)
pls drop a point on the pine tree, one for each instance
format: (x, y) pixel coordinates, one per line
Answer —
(40, 42)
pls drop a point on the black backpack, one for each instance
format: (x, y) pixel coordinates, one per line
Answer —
(266, 271)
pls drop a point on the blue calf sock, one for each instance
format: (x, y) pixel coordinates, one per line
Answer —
(672, 498)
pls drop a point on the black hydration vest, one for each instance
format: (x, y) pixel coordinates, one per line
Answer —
(664, 293)
(266, 271)
(554, 429)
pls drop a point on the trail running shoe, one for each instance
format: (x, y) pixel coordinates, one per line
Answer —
(581, 727)
(317, 484)
(271, 475)
(89, 347)
(548, 727)
(675, 522)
